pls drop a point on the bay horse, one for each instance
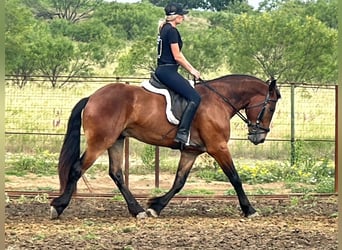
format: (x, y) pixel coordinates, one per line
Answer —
(118, 110)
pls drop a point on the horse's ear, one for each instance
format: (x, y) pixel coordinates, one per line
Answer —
(272, 85)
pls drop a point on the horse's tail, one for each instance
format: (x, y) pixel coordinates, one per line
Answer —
(70, 152)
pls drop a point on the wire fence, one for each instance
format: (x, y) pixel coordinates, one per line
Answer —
(36, 118)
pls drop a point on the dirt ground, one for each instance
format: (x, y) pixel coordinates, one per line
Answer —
(296, 223)
(305, 223)
(102, 183)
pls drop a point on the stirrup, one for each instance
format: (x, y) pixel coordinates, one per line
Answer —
(183, 144)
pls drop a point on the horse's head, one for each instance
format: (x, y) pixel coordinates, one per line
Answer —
(260, 112)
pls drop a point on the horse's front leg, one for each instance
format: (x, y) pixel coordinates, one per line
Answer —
(115, 154)
(223, 157)
(186, 161)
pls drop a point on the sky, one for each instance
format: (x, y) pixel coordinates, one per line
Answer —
(254, 3)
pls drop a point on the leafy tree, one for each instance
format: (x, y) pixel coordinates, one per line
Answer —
(71, 10)
(75, 10)
(202, 46)
(222, 19)
(59, 48)
(215, 5)
(205, 48)
(102, 46)
(72, 50)
(20, 37)
(130, 21)
(323, 10)
(270, 5)
(239, 8)
(297, 49)
(295, 40)
(54, 56)
(140, 59)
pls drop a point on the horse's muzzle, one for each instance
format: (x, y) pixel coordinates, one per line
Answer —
(257, 134)
(256, 139)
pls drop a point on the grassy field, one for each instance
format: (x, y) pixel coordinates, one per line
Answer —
(38, 109)
(36, 120)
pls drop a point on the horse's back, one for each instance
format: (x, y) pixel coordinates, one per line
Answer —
(113, 96)
(124, 104)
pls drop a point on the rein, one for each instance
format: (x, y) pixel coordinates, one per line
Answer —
(226, 100)
(255, 126)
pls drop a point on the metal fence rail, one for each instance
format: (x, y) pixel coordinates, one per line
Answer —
(36, 117)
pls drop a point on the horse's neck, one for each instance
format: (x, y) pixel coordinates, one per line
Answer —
(239, 95)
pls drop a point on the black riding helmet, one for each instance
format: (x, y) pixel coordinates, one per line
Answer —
(175, 9)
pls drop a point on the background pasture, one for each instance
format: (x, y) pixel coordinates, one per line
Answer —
(36, 119)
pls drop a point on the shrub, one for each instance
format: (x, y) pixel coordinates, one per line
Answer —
(43, 163)
(147, 156)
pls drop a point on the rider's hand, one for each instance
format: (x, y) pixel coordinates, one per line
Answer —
(196, 74)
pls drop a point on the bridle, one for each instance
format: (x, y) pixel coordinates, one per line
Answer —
(256, 127)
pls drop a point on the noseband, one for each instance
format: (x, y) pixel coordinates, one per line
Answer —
(256, 128)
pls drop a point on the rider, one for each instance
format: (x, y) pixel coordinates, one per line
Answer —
(169, 58)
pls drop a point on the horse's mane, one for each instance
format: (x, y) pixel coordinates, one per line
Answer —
(234, 75)
(227, 77)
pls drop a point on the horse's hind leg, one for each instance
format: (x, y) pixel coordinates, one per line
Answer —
(184, 166)
(59, 204)
(115, 154)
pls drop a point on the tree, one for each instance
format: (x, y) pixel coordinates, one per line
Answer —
(130, 21)
(75, 10)
(71, 10)
(56, 57)
(74, 50)
(270, 5)
(20, 37)
(323, 10)
(202, 46)
(278, 44)
(58, 48)
(205, 48)
(215, 5)
(139, 59)
(102, 46)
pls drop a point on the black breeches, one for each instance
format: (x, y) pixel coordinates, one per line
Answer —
(168, 74)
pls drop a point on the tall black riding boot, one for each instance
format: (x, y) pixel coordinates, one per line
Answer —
(184, 125)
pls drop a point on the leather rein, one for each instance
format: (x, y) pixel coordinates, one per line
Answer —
(256, 127)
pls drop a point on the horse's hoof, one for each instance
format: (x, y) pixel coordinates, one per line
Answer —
(142, 215)
(53, 213)
(256, 214)
(152, 213)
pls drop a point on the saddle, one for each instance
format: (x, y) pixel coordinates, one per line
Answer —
(175, 103)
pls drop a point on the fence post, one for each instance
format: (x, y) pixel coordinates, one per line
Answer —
(157, 167)
(336, 138)
(127, 162)
(293, 148)
(126, 155)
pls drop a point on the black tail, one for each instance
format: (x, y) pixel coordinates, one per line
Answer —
(70, 151)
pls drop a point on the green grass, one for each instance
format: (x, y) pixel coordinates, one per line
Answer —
(43, 111)
(202, 191)
(37, 108)
(43, 163)
(258, 191)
